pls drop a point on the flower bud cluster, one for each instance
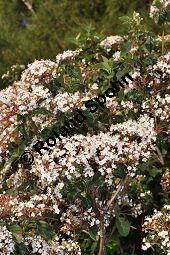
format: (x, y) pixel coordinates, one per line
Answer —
(157, 8)
(7, 245)
(69, 54)
(111, 41)
(157, 228)
(165, 181)
(40, 71)
(158, 106)
(17, 100)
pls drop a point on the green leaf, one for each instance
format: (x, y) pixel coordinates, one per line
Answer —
(154, 171)
(17, 232)
(72, 191)
(75, 73)
(15, 229)
(44, 229)
(12, 159)
(113, 245)
(123, 71)
(39, 110)
(123, 226)
(90, 118)
(150, 44)
(86, 200)
(97, 180)
(106, 65)
(167, 17)
(120, 172)
(21, 249)
(93, 233)
(126, 48)
(121, 96)
(125, 19)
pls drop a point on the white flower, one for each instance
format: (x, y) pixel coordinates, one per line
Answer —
(116, 56)
(95, 86)
(56, 209)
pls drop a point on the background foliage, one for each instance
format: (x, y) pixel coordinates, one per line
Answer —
(50, 25)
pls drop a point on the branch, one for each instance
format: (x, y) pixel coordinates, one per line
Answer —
(28, 5)
(160, 156)
(121, 184)
(102, 237)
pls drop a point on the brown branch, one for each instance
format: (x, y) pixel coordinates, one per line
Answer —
(102, 236)
(121, 184)
(86, 232)
(102, 211)
(163, 40)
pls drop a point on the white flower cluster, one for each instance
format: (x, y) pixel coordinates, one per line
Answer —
(110, 41)
(69, 54)
(67, 102)
(165, 181)
(165, 38)
(17, 100)
(136, 74)
(40, 71)
(144, 129)
(116, 56)
(74, 216)
(163, 65)
(68, 247)
(89, 215)
(43, 247)
(12, 69)
(136, 18)
(157, 228)
(134, 49)
(112, 104)
(165, 3)
(79, 150)
(124, 200)
(159, 107)
(156, 10)
(31, 208)
(39, 245)
(7, 245)
(127, 105)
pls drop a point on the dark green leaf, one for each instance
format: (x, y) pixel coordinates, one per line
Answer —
(123, 226)
(44, 229)
(93, 233)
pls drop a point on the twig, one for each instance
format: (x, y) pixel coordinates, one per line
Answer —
(163, 40)
(86, 232)
(160, 156)
(122, 183)
(102, 228)
(102, 236)
(28, 5)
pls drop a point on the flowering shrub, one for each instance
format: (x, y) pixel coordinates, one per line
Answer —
(103, 187)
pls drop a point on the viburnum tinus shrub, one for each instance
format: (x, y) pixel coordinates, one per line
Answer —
(98, 184)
